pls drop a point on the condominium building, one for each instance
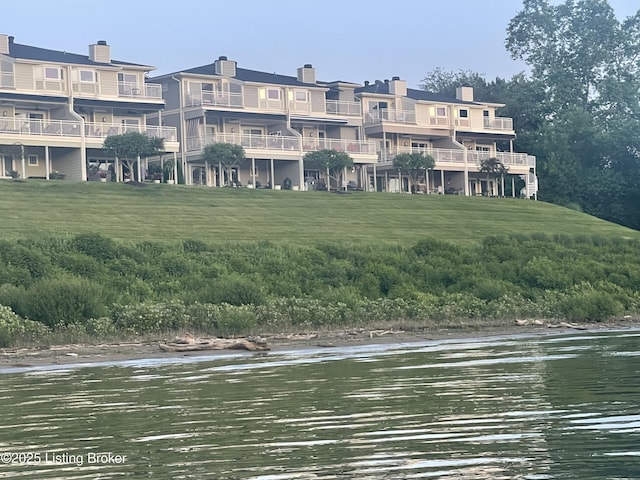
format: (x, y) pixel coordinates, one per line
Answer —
(56, 109)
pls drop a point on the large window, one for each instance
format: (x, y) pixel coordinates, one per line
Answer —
(127, 77)
(463, 113)
(88, 76)
(52, 73)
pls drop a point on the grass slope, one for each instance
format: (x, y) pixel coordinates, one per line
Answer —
(173, 212)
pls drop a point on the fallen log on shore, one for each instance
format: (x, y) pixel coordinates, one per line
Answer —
(190, 344)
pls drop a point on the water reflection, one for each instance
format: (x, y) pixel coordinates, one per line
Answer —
(545, 407)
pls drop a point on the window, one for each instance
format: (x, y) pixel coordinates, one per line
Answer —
(273, 94)
(485, 113)
(88, 76)
(128, 77)
(300, 95)
(33, 160)
(463, 112)
(482, 148)
(441, 111)
(52, 73)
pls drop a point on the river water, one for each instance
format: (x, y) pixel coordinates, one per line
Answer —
(518, 407)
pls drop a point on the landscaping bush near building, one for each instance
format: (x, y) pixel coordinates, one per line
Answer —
(92, 285)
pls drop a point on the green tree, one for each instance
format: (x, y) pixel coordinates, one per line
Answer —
(130, 146)
(225, 154)
(493, 168)
(331, 161)
(414, 165)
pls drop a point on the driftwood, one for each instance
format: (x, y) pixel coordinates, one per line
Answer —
(190, 344)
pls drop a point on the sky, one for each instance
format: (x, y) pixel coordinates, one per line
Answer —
(349, 40)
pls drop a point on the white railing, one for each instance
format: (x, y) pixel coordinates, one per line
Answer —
(224, 99)
(104, 130)
(268, 104)
(339, 107)
(439, 121)
(299, 107)
(449, 156)
(144, 90)
(248, 142)
(499, 123)
(384, 115)
(7, 80)
(340, 145)
(41, 128)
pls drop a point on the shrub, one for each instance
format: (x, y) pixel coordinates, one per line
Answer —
(95, 245)
(234, 290)
(15, 330)
(584, 302)
(236, 320)
(150, 317)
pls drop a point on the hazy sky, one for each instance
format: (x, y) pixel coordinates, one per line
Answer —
(351, 40)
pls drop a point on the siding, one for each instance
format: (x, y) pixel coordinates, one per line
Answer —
(24, 77)
(251, 96)
(108, 83)
(317, 101)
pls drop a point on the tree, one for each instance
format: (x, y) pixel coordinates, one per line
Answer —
(331, 161)
(225, 154)
(130, 146)
(494, 168)
(414, 165)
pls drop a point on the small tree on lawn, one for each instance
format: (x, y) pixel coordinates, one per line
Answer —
(225, 154)
(331, 161)
(414, 165)
(494, 168)
(130, 146)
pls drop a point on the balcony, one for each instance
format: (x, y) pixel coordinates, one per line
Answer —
(140, 90)
(223, 99)
(499, 123)
(445, 156)
(104, 130)
(39, 128)
(271, 143)
(387, 115)
(7, 80)
(338, 107)
(352, 147)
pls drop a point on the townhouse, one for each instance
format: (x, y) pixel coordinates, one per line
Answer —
(276, 118)
(56, 109)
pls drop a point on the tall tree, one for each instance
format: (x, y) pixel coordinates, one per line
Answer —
(493, 168)
(131, 146)
(226, 154)
(414, 165)
(331, 161)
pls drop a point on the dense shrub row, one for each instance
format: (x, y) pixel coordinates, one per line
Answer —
(105, 287)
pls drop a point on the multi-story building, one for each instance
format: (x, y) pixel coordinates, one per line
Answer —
(56, 109)
(276, 118)
(457, 132)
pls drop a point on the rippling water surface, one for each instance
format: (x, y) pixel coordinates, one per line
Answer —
(540, 407)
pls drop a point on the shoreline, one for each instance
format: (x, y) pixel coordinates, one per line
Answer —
(97, 353)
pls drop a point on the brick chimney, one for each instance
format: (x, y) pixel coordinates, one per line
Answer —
(100, 52)
(224, 66)
(464, 94)
(307, 74)
(5, 41)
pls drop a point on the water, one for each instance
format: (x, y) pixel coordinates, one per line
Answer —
(531, 408)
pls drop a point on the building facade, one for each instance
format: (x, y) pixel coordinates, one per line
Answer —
(56, 109)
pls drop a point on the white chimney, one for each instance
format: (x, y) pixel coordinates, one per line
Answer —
(464, 94)
(224, 66)
(4, 44)
(307, 74)
(398, 87)
(100, 52)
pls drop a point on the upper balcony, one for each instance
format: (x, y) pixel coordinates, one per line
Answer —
(104, 130)
(499, 123)
(36, 128)
(140, 90)
(456, 157)
(341, 107)
(389, 115)
(217, 99)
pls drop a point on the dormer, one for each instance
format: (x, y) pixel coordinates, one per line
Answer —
(464, 94)
(398, 87)
(225, 67)
(100, 52)
(307, 74)
(5, 41)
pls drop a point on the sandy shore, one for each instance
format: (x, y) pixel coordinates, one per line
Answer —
(134, 350)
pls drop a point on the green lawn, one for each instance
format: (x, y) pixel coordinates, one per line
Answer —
(175, 212)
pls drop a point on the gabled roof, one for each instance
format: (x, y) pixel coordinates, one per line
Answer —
(383, 88)
(27, 52)
(247, 75)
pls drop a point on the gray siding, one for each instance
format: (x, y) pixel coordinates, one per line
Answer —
(317, 101)
(108, 83)
(251, 96)
(24, 76)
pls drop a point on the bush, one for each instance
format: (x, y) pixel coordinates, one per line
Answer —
(586, 303)
(151, 317)
(236, 320)
(15, 330)
(234, 290)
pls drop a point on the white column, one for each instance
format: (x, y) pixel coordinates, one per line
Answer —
(273, 181)
(466, 173)
(253, 172)
(375, 178)
(442, 186)
(513, 187)
(139, 169)
(206, 173)
(47, 165)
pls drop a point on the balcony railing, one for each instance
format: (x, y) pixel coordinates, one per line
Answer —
(7, 80)
(144, 90)
(499, 123)
(104, 130)
(386, 115)
(340, 145)
(248, 142)
(339, 107)
(41, 128)
(445, 155)
(224, 99)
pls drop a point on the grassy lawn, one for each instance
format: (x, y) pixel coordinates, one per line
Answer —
(175, 212)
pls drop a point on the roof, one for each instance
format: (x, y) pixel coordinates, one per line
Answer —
(247, 75)
(27, 52)
(383, 88)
